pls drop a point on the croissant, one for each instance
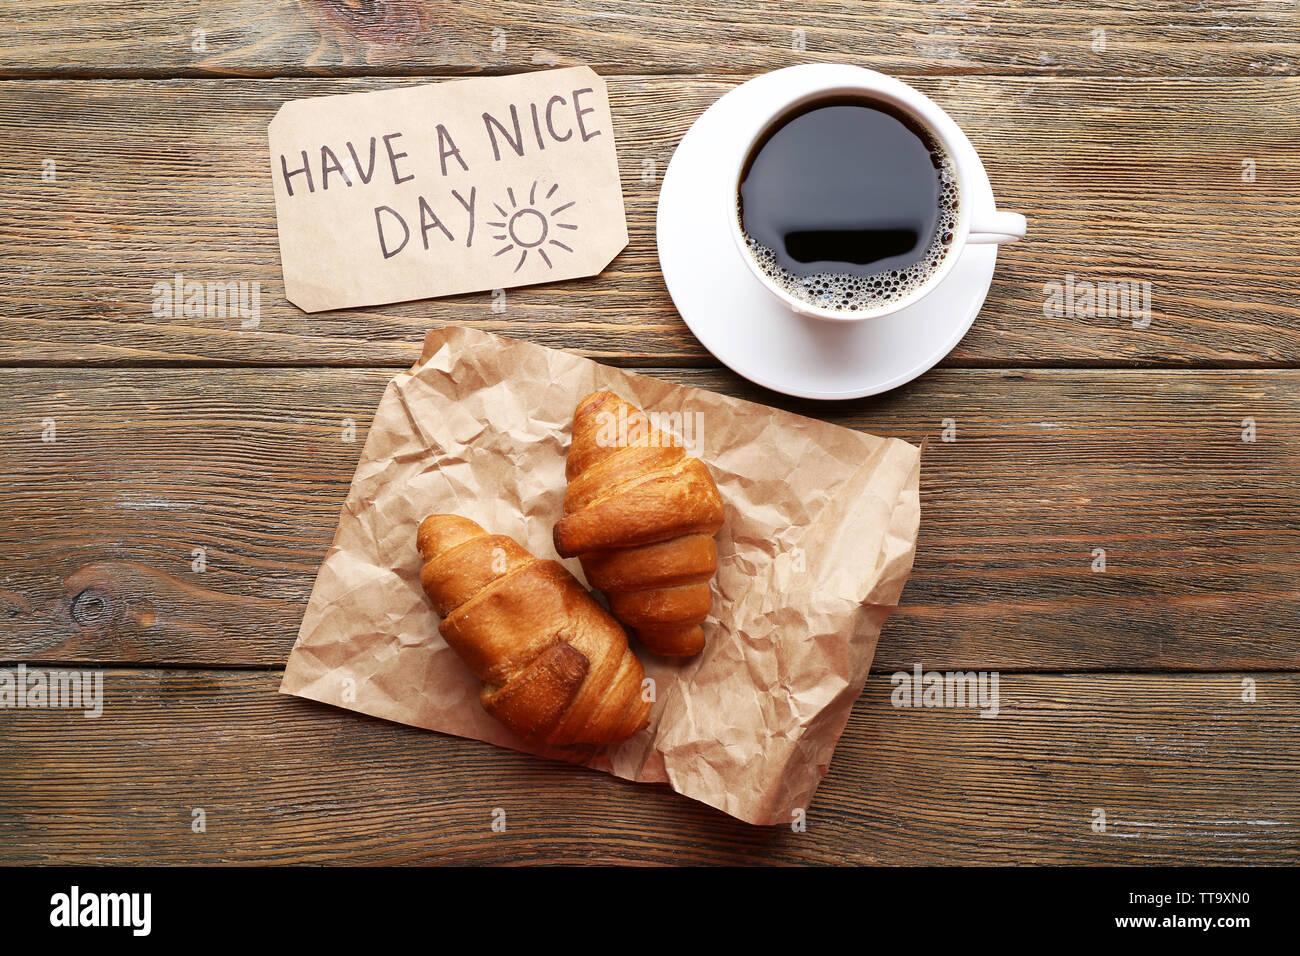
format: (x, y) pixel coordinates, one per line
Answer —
(556, 669)
(641, 515)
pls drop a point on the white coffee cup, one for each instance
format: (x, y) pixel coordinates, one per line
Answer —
(977, 223)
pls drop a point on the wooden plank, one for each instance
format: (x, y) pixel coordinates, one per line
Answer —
(1184, 770)
(1121, 179)
(270, 37)
(1200, 529)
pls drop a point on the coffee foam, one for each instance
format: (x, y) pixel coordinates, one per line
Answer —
(843, 292)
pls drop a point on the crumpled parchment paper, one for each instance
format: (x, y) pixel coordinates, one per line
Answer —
(819, 541)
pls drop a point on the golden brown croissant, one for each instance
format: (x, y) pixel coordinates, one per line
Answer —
(556, 669)
(641, 514)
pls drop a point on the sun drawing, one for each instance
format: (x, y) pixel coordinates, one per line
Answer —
(528, 228)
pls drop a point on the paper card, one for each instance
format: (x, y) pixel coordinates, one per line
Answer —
(460, 186)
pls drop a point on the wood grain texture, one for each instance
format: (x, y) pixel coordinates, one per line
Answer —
(1127, 152)
(1121, 179)
(270, 37)
(1200, 528)
(1185, 771)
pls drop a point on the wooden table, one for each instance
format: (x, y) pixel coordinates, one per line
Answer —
(1146, 141)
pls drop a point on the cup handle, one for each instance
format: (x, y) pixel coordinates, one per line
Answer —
(996, 227)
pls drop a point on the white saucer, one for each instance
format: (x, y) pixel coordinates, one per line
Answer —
(742, 324)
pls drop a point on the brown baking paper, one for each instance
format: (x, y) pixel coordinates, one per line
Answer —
(819, 540)
(451, 187)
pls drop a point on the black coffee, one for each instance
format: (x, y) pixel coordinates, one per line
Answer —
(848, 204)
